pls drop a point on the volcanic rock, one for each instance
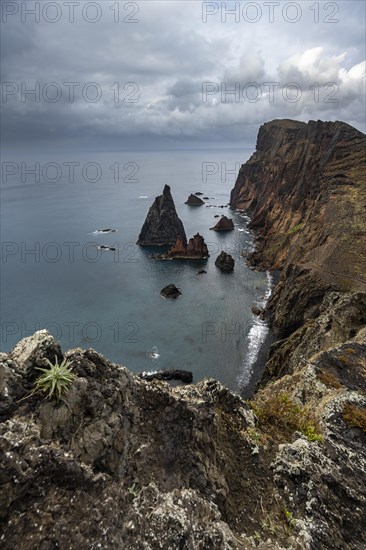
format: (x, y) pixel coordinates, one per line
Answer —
(259, 312)
(224, 224)
(225, 262)
(201, 272)
(304, 188)
(193, 200)
(171, 374)
(196, 249)
(162, 225)
(170, 291)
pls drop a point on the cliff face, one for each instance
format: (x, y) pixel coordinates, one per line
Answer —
(305, 190)
(162, 225)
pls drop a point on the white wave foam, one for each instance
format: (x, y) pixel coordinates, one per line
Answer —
(104, 231)
(256, 338)
(153, 354)
(143, 197)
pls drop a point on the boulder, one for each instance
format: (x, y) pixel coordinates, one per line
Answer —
(259, 312)
(224, 224)
(162, 225)
(225, 262)
(193, 200)
(170, 291)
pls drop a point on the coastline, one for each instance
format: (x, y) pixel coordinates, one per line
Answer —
(260, 339)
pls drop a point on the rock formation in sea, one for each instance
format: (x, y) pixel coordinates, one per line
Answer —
(170, 291)
(195, 249)
(225, 262)
(193, 200)
(124, 463)
(224, 224)
(162, 225)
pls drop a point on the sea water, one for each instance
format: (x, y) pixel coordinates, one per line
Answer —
(56, 276)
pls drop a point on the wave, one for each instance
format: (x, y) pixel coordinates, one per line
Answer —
(256, 338)
(153, 354)
(104, 231)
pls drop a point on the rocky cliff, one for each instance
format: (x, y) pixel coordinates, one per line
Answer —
(162, 225)
(306, 192)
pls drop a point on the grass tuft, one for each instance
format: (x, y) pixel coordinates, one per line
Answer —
(279, 416)
(355, 416)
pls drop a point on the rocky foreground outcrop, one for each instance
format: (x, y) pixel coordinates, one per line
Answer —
(123, 463)
(162, 225)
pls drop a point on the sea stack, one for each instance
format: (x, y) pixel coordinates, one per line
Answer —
(162, 225)
(196, 249)
(224, 224)
(193, 200)
(225, 262)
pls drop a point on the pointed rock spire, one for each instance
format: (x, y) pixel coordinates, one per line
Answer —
(162, 225)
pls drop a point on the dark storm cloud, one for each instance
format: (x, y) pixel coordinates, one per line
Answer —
(170, 76)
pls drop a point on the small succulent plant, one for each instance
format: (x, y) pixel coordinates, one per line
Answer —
(56, 380)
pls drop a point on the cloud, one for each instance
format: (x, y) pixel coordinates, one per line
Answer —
(156, 68)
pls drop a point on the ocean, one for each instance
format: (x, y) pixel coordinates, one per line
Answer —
(55, 276)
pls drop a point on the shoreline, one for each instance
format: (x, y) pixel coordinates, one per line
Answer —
(260, 339)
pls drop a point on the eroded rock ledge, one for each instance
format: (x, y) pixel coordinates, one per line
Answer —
(121, 463)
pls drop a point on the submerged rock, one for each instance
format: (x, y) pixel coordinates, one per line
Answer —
(170, 291)
(224, 224)
(201, 272)
(225, 262)
(193, 200)
(162, 225)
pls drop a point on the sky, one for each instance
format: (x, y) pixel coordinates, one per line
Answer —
(111, 75)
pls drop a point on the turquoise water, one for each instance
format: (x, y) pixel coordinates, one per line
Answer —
(54, 276)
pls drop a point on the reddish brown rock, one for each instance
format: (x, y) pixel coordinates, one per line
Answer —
(305, 190)
(196, 249)
(224, 224)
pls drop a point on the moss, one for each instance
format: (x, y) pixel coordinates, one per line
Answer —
(295, 229)
(355, 416)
